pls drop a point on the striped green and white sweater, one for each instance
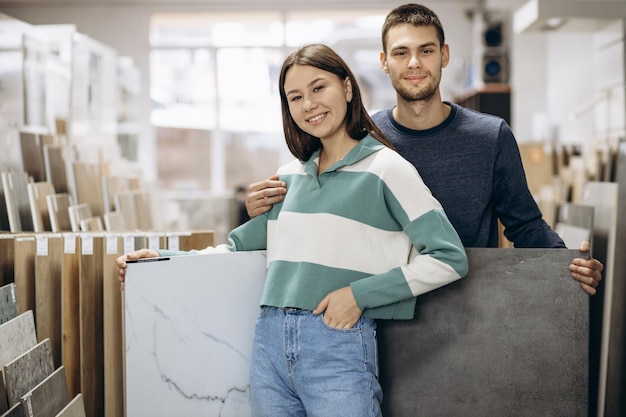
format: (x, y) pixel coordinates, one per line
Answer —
(368, 222)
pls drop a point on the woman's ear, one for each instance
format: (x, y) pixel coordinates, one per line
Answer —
(348, 87)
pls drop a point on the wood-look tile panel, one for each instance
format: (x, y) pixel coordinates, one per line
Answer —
(70, 311)
(48, 291)
(91, 323)
(25, 249)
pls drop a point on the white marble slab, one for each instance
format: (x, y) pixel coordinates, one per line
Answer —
(188, 335)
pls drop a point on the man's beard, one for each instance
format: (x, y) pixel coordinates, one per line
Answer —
(410, 94)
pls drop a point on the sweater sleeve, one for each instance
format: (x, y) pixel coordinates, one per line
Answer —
(514, 204)
(250, 236)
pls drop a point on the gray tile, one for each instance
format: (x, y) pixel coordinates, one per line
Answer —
(16, 411)
(27, 370)
(8, 303)
(17, 336)
(49, 397)
(511, 338)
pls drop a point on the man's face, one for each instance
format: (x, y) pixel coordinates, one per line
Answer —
(414, 60)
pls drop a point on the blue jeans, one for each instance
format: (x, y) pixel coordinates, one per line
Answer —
(302, 367)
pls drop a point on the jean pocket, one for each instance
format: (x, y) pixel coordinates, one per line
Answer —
(354, 329)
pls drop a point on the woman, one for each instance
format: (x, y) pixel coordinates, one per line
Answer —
(357, 238)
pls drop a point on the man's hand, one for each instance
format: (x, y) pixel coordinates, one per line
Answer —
(340, 309)
(263, 195)
(587, 271)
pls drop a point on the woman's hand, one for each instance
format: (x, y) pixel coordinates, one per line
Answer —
(133, 256)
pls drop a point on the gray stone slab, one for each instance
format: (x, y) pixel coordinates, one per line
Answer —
(27, 370)
(49, 397)
(17, 336)
(615, 325)
(16, 411)
(510, 339)
(8, 303)
(76, 408)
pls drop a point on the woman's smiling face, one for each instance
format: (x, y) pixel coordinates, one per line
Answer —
(317, 100)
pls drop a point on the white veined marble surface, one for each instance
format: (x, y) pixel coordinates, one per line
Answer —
(189, 323)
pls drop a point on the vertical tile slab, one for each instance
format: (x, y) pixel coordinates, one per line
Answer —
(16, 337)
(509, 339)
(7, 260)
(574, 224)
(180, 347)
(603, 197)
(615, 302)
(89, 186)
(15, 185)
(32, 155)
(113, 333)
(16, 411)
(23, 373)
(48, 275)
(91, 323)
(56, 170)
(49, 397)
(76, 408)
(78, 213)
(4, 211)
(125, 204)
(70, 311)
(8, 303)
(112, 185)
(58, 209)
(24, 271)
(37, 194)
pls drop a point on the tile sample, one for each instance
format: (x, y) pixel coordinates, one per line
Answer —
(76, 408)
(15, 186)
(48, 276)
(25, 249)
(180, 346)
(78, 213)
(32, 155)
(37, 196)
(111, 186)
(8, 303)
(512, 335)
(16, 337)
(16, 411)
(23, 373)
(89, 186)
(114, 222)
(49, 397)
(56, 169)
(112, 328)
(91, 322)
(125, 204)
(70, 311)
(4, 213)
(58, 209)
(7, 260)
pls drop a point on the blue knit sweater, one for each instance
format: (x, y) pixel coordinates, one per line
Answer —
(368, 222)
(472, 165)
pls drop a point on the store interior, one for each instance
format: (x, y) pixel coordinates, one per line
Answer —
(128, 124)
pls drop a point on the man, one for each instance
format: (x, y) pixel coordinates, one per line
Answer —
(469, 160)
